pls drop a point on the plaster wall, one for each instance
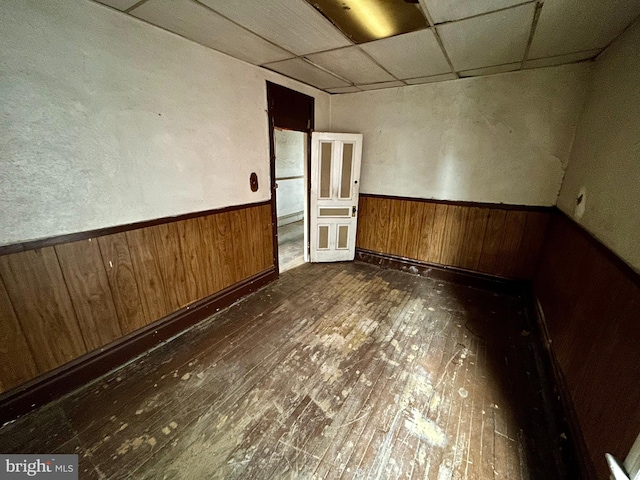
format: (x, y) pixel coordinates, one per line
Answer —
(502, 139)
(604, 167)
(290, 158)
(106, 120)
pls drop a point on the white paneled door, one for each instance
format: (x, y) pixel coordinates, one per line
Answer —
(335, 176)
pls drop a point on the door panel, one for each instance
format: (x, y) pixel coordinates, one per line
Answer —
(335, 173)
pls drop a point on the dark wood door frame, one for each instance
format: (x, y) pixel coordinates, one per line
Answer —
(289, 110)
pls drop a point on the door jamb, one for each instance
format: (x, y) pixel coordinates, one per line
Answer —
(296, 113)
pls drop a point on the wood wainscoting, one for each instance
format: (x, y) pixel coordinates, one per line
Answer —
(61, 299)
(590, 302)
(500, 240)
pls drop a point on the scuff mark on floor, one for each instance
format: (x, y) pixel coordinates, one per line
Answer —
(426, 429)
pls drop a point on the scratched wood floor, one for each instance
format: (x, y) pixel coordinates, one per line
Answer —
(290, 246)
(334, 371)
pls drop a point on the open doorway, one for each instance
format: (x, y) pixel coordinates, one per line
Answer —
(290, 125)
(291, 159)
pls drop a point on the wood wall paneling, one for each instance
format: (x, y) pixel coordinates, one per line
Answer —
(267, 237)
(380, 217)
(171, 265)
(399, 226)
(487, 239)
(122, 280)
(533, 235)
(364, 232)
(65, 300)
(224, 237)
(16, 362)
(454, 236)
(507, 260)
(147, 271)
(240, 244)
(42, 305)
(411, 242)
(255, 235)
(211, 269)
(90, 293)
(591, 307)
(491, 241)
(476, 225)
(194, 259)
(425, 227)
(436, 235)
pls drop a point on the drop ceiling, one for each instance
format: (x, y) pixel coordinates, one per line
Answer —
(444, 39)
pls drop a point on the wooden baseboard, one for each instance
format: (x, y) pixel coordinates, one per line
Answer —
(291, 218)
(68, 377)
(442, 272)
(580, 451)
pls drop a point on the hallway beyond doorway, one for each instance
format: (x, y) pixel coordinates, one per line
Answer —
(291, 245)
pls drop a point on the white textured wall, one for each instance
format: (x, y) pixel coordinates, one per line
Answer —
(290, 157)
(105, 120)
(605, 161)
(503, 138)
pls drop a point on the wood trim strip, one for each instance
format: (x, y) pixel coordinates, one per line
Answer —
(91, 366)
(74, 237)
(581, 453)
(442, 272)
(500, 206)
(298, 177)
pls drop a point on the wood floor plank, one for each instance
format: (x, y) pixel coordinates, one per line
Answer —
(250, 389)
(333, 371)
(147, 408)
(333, 450)
(487, 438)
(384, 410)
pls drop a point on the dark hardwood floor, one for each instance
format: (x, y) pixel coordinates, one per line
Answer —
(334, 371)
(290, 245)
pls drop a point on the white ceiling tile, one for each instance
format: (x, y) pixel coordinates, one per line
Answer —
(293, 24)
(119, 4)
(509, 67)
(305, 72)
(352, 64)
(196, 22)
(343, 90)
(415, 54)
(456, 9)
(493, 39)
(560, 59)
(567, 26)
(376, 86)
(432, 79)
